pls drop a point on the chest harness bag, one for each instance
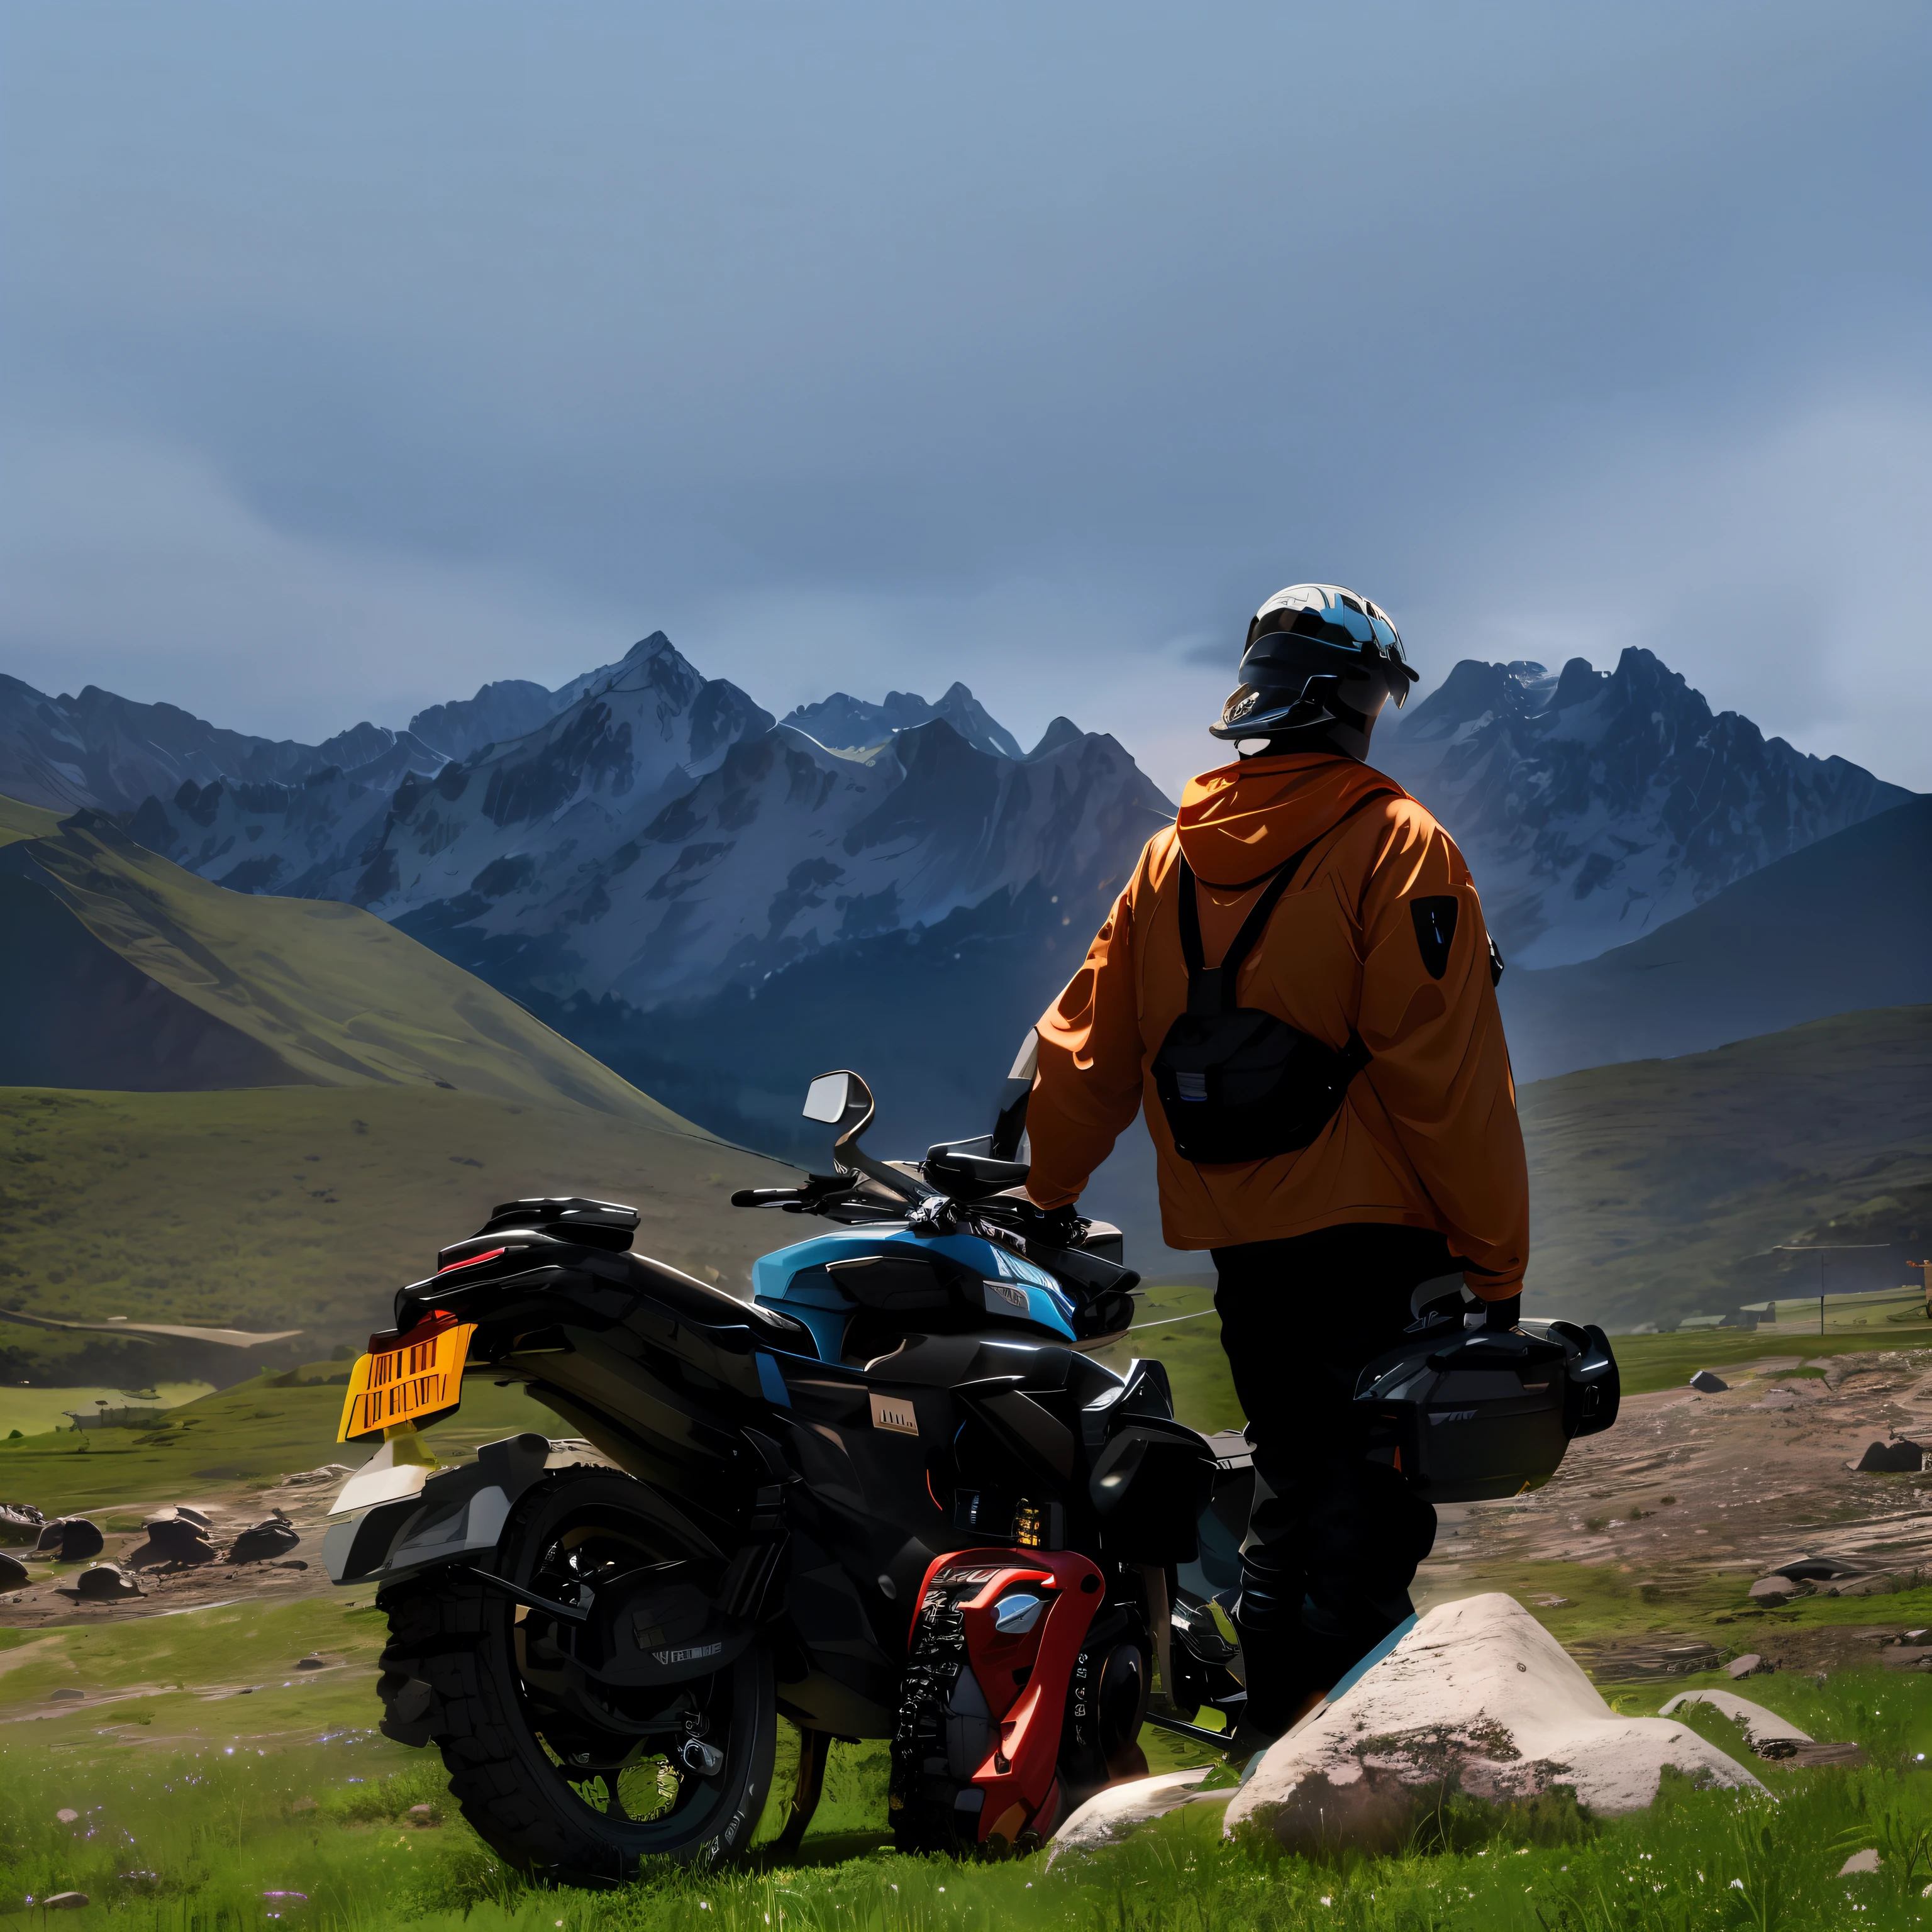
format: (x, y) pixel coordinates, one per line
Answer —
(1236, 1084)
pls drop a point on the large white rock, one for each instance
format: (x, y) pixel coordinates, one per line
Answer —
(1478, 1698)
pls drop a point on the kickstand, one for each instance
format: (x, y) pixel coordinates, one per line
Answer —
(813, 1747)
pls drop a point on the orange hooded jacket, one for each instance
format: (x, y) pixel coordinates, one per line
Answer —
(1427, 1136)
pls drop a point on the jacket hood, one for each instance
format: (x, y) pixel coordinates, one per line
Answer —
(1242, 820)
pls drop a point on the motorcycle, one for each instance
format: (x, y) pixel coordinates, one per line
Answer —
(891, 1495)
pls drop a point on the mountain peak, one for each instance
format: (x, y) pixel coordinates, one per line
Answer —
(842, 722)
(1578, 684)
(648, 647)
(1595, 805)
(1063, 731)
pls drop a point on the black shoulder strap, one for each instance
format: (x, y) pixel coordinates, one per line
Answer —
(1209, 990)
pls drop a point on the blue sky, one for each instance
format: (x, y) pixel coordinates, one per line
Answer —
(352, 355)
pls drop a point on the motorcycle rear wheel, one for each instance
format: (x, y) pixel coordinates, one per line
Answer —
(578, 1789)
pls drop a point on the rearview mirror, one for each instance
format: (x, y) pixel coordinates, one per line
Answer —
(828, 1097)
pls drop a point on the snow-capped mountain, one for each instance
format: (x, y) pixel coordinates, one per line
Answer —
(1594, 806)
(850, 724)
(514, 707)
(662, 836)
(103, 753)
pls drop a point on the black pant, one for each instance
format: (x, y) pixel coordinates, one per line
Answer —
(1333, 1540)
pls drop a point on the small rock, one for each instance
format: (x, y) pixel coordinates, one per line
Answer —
(67, 1817)
(1705, 1383)
(104, 1583)
(66, 1693)
(274, 1536)
(1771, 1592)
(1892, 1459)
(173, 1536)
(329, 1472)
(64, 1901)
(423, 1817)
(19, 1523)
(1749, 1665)
(1110, 1813)
(1882, 1584)
(311, 1662)
(1816, 1569)
(181, 1513)
(70, 1539)
(290, 1563)
(13, 1573)
(1866, 1861)
(303, 1804)
(1768, 1734)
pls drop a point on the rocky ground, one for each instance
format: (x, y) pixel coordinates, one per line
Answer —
(1689, 1498)
(303, 1499)
(1693, 1496)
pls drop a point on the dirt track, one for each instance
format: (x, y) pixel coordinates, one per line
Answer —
(39, 1605)
(1689, 1486)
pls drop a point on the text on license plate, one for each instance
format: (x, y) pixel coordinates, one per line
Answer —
(419, 1380)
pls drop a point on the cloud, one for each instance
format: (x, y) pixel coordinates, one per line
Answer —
(1781, 565)
(356, 358)
(137, 566)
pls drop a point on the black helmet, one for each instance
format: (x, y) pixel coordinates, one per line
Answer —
(1303, 643)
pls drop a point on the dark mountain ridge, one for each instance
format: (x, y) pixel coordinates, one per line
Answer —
(1594, 807)
(1843, 925)
(102, 752)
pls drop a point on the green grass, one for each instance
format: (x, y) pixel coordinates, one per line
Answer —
(1204, 1391)
(252, 1433)
(279, 1207)
(408, 1097)
(32, 1411)
(172, 1839)
(223, 1797)
(1647, 1362)
(1658, 1187)
(332, 993)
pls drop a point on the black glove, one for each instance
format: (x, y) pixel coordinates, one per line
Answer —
(1502, 1314)
(1061, 1227)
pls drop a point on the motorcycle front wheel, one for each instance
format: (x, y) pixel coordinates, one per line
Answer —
(560, 1777)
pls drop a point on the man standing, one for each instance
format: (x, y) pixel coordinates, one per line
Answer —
(1330, 1101)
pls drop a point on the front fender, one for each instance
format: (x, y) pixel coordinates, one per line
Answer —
(458, 1515)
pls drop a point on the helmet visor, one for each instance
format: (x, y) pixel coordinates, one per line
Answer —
(1253, 711)
(1277, 660)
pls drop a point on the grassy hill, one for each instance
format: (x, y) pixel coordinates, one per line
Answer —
(281, 1207)
(1844, 925)
(1659, 1187)
(311, 992)
(268, 1114)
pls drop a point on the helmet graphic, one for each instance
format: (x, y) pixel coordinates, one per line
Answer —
(1304, 643)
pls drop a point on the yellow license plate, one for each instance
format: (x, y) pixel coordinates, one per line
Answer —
(418, 1379)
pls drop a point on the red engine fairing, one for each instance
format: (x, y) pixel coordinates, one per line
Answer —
(1022, 1660)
